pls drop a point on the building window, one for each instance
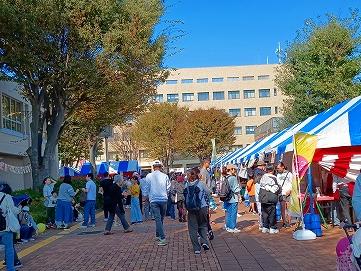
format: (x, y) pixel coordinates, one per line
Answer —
(248, 94)
(172, 98)
(203, 96)
(187, 97)
(218, 95)
(250, 112)
(264, 93)
(233, 95)
(171, 82)
(158, 98)
(250, 130)
(238, 130)
(275, 92)
(187, 81)
(12, 115)
(202, 80)
(263, 77)
(232, 79)
(265, 111)
(235, 112)
(276, 109)
(247, 78)
(217, 80)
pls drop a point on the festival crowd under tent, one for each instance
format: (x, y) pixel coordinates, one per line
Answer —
(68, 171)
(338, 130)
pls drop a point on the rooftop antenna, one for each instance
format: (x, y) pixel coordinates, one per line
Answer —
(280, 53)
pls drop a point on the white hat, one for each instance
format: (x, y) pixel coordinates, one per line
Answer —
(26, 209)
(157, 163)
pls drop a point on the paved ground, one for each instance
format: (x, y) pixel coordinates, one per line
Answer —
(248, 250)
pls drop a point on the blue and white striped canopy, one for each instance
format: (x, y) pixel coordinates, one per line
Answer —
(338, 126)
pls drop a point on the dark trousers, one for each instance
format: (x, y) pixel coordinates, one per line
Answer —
(106, 207)
(344, 205)
(50, 215)
(269, 215)
(119, 211)
(26, 232)
(198, 225)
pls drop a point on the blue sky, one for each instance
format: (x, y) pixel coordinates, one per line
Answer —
(240, 32)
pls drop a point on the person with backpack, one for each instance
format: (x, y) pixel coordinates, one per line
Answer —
(230, 190)
(196, 195)
(8, 226)
(268, 196)
(206, 179)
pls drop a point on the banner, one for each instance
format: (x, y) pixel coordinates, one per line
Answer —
(304, 150)
(14, 169)
(214, 152)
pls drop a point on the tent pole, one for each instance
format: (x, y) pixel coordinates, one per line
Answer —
(310, 190)
(298, 179)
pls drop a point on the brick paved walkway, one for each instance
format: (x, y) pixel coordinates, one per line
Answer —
(248, 250)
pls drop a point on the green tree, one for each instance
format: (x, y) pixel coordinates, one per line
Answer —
(321, 67)
(74, 57)
(202, 126)
(160, 130)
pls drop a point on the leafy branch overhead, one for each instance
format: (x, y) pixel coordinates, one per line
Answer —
(82, 64)
(322, 67)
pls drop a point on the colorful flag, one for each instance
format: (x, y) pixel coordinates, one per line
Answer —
(304, 149)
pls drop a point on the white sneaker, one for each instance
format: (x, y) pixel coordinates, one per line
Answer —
(235, 230)
(105, 219)
(274, 231)
(239, 215)
(260, 228)
(265, 230)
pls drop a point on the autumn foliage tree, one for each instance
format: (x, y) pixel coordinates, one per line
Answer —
(202, 126)
(160, 130)
(82, 65)
(166, 130)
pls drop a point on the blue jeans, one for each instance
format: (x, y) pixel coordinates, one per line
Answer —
(63, 213)
(159, 209)
(26, 232)
(89, 210)
(231, 214)
(146, 209)
(170, 208)
(7, 241)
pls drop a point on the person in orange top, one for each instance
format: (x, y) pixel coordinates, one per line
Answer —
(251, 189)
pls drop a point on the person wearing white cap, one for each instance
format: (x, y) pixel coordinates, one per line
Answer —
(157, 190)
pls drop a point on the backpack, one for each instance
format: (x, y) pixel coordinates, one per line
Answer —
(2, 218)
(192, 197)
(225, 192)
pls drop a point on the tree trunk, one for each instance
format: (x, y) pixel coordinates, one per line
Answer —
(34, 151)
(92, 154)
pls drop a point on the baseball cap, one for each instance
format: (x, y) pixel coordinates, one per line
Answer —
(230, 166)
(157, 163)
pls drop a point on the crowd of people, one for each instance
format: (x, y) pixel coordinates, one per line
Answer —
(157, 195)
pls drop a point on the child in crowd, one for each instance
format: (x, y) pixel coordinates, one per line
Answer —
(51, 210)
(28, 226)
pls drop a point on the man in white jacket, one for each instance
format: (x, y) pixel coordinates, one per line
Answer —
(157, 190)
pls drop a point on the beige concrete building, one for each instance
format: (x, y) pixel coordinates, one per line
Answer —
(247, 92)
(14, 137)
